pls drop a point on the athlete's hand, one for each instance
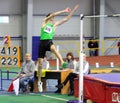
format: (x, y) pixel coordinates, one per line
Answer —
(67, 9)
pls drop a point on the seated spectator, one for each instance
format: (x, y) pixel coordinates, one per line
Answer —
(75, 74)
(70, 60)
(71, 65)
(26, 73)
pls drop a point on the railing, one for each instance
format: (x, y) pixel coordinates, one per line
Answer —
(109, 47)
(7, 77)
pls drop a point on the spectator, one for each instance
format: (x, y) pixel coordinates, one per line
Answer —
(73, 75)
(118, 47)
(70, 60)
(96, 47)
(26, 73)
(91, 46)
(71, 65)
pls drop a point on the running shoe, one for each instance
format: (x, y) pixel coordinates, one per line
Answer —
(40, 86)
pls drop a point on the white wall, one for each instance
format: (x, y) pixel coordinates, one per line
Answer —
(47, 6)
(13, 28)
(112, 24)
(112, 6)
(10, 7)
(112, 27)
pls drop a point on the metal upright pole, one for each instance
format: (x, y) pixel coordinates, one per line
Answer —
(81, 61)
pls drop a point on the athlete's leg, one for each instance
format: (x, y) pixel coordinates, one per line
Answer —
(58, 55)
(40, 60)
(41, 55)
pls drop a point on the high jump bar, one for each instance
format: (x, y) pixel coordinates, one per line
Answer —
(98, 16)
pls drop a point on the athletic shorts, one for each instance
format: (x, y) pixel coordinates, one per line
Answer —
(43, 47)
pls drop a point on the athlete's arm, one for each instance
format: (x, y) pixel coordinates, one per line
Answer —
(57, 13)
(67, 17)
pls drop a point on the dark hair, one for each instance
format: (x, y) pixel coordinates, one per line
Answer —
(70, 54)
(48, 14)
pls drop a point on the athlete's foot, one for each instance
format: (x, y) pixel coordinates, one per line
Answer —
(64, 65)
(40, 86)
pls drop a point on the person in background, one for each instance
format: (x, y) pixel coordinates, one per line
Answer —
(70, 60)
(75, 74)
(26, 73)
(47, 33)
(91, 46)
(71, 65)
(96, 47)
(118, 47)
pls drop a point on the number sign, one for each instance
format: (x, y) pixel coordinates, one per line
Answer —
(9, 56)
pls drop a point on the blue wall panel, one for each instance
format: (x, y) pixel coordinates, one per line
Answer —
(35, 46)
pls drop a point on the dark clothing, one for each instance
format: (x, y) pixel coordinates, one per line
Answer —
(31, 84)
(96, 48)
(24, 83)
(43, 47)
(70, 78)
(92, 46)
(118, 47)
(73, 75)
(71, 65)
